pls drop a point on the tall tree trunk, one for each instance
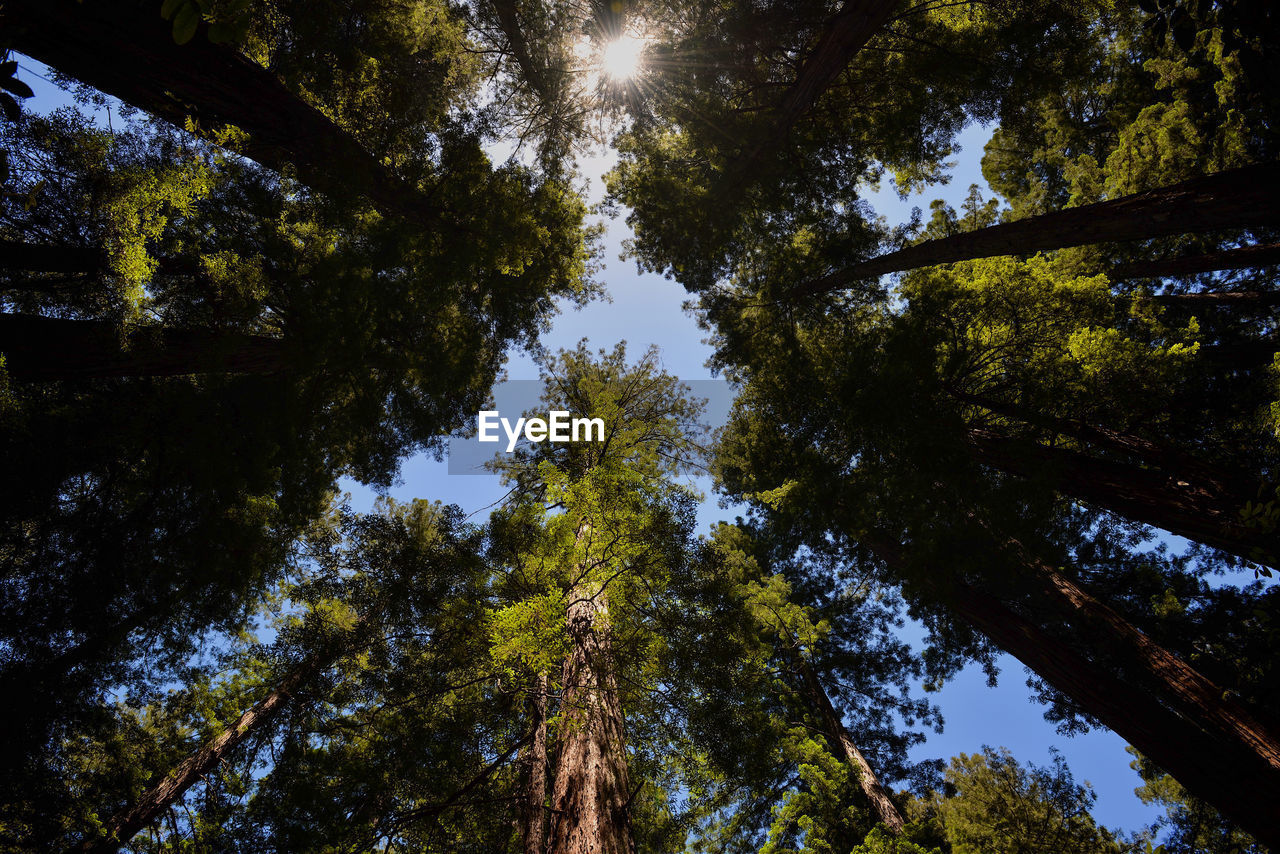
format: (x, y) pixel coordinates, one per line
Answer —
(124, 825)
(52, 348)
(127, 50)
(1242, 258)
(590, 801)
(1204, 510)
(846, 33)
(1154, 700)
(1221, 299)
(49, 258)
(1238, 198)
(843, 744)
(533, 818)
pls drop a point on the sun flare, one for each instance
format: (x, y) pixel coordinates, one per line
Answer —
(621, 57)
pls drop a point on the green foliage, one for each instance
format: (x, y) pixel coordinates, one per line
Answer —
(1000, 806)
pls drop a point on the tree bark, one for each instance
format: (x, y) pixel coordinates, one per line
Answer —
(49, 348)
(1144, 693)
(855, 24)
(533, 818)
(839, 739)
(127, 50)
(590, 801)
(1245, 257)
(1201, 509)
(124, 825)
(1238, 198)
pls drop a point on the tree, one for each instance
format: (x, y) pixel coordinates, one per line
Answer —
(231, 347)
(992, 804)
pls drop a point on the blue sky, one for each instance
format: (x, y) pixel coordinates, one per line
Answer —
(647, 309)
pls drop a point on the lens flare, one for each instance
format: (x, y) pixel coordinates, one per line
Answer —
(621, 58)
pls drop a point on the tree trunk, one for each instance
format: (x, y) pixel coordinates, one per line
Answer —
(839, 739)
(533, 819)
(841, 39)
(1238, 198)
(1200, 509)
(49, 258)
(1245, 257)
(124, 825)
(1221, 299)
(590, 801)
(51, 348)
(127, 50)
(1145, 694)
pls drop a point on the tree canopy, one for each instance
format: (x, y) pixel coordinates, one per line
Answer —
(277, 244)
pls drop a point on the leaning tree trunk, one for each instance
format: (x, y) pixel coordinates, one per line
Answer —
(1221, 299)
(127, 50)
(52, 348)
(49, 257)
(1116, 674)
(1203, 509)
(1243, 258)
(1238, 198)
(125, 824)
(590, 802)
(533, 817)
(842, 742)
(848, 32)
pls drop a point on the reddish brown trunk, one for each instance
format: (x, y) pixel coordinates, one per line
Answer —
(590, 801)
(1238, 198)
(840, 740)
(127, 50)
(1189, 265)
(124, 825)
(534, 816)
(841, 39)
(1189, 504)
(1145, 694)
(51, 348)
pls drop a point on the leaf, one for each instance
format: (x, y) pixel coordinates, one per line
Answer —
(16, 86)
(185, 24)
(169, 7)
(1148, 6)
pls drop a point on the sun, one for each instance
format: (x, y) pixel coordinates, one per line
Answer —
(621, 58)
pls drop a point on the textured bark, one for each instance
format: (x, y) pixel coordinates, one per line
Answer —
(843, 744)
(50, 348)
(1238, 198)
(590, 800)
(533, 819)
(844, 35)
(1190, 504)
(1154, 700)
(124, 825)
(127, 50)
(1245, 257)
